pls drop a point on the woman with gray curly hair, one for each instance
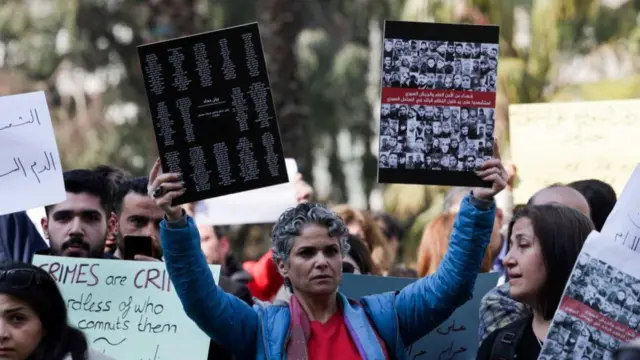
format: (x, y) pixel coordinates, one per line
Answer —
(319, 322)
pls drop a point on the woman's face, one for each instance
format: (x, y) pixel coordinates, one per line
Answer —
(314, 266)
(525, 264)
(20, 329)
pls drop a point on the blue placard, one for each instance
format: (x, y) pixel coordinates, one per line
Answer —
(456, 338)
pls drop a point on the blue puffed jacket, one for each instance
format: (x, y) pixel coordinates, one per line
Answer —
(400, 318)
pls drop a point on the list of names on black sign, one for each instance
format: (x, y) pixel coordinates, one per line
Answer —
(213, 113)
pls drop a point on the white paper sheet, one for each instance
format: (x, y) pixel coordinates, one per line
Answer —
(623, 224)
(30, 169)
(250, 207)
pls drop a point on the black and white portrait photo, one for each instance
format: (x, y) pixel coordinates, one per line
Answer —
(441, 65)
(460, 138)
(603, 289)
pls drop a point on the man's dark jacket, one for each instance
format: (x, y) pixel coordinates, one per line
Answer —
(19, 238)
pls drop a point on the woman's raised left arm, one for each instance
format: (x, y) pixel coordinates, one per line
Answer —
(425, 304)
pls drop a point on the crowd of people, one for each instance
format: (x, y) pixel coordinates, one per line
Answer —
(287, 303)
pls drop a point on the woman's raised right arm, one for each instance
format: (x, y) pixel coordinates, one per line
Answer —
(226, 319)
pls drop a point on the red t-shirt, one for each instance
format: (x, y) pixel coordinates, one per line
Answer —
(331, 340)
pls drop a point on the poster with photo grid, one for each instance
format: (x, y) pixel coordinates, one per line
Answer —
(600, 308)
(437, 115)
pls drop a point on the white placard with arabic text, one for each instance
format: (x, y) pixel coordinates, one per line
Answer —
(623, 224)
(30, 171)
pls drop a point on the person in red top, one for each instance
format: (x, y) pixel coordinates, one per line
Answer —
(265, 278)
(331, 340)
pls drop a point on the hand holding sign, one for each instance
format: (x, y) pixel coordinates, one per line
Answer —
(163, 188)
(492, 171)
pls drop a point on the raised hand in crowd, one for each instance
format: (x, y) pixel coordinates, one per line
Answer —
(164, 188)
(494, 172)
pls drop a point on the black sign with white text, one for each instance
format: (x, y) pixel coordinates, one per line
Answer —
(213, 113)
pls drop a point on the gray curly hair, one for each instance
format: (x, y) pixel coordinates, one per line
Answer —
(293, 220)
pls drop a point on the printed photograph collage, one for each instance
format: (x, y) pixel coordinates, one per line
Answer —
(604, 289)
(440, 138)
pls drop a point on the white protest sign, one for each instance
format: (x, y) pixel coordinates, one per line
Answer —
(258, 206)
(30, 170)
(127, 309)
(623, 224)
(574, 136)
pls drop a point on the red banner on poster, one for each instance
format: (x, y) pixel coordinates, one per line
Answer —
(430, 97)
(597, 320)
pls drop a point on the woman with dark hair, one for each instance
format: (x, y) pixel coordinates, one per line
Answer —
(358, 260)
(33, 318)
(545, 241)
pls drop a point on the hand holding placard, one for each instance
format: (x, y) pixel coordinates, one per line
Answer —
(164, 188)
(492, 171)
